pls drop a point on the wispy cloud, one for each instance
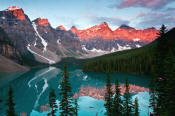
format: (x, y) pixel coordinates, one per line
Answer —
(152, 4)
(155, 19)
(115, 21)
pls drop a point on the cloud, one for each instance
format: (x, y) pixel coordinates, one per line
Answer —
(155, 19)
(115, 21)
(151, 4)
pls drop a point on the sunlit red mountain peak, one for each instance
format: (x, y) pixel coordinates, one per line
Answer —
(17, 12)
(124, 32)
(42, 22)
(61, 27)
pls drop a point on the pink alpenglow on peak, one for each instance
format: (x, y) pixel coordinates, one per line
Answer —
(42, 22)
(17, 12)
(61, 27)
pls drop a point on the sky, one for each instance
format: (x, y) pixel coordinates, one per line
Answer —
(83, 14)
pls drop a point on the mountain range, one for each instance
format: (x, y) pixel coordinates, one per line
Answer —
(38, 42)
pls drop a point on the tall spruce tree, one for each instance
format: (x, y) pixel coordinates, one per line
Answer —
(10, 103)
(117, 102)
(161, 81)
(127, 104)
(136, 107)
(108, 96)
(0, 102)
(169, 86)
(52, 102)
(66, 95)
(76, 107)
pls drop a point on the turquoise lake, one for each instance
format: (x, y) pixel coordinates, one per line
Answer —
(31, 90)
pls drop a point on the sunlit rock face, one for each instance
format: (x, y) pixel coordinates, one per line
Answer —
(42, 22)
(99, 93)
(124, 32)
(17, 12)
(61, 27)
(101, 37)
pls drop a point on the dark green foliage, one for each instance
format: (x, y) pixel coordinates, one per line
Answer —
(66, 95)
(0, 102)
(117, 102)
(52, 102)
(136, 107)
(136, 61)
(76, 107)
(10, 103)
(153, 95)
(127, 104)
(108, 96)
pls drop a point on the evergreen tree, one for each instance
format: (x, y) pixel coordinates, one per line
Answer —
(136, 107)
(127, 104)
(108, 96)
(52, 102)
(10, 103)
(117, 102)
(153, 95)
(76, 107)
(66, 95)
(0, 102)
(161, 79)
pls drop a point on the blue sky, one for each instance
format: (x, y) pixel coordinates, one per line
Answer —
(86, 13)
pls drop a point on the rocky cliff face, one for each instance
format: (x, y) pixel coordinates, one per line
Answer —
(7, 49)
(38, 38)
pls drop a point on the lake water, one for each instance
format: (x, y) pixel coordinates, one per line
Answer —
(31, 90)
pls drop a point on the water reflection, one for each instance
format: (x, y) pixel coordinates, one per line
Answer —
(98, 93)
(31, 89)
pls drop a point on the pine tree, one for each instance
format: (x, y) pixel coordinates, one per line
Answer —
(76, 107)
(127, 104)
(108, 96)
(52, 102)
(117, 102)
(153, 95)
(10, 103)
(136, 107)
(66, 95)
(161, 81)
(0, 102)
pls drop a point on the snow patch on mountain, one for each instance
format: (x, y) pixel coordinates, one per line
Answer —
(136, 39)
(33, 52)
(42, 40)
(121, 48)
(59, 41)
(138, 46)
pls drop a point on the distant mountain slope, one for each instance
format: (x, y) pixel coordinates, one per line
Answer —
(136, 61)
(7, 65)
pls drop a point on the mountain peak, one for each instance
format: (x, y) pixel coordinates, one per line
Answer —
(17, 12)
(61, 27)
(42, 22)
(124, 26)
(13, 8)
(73, 29)
(104, 24)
